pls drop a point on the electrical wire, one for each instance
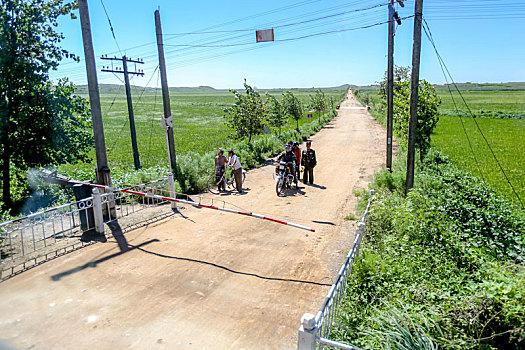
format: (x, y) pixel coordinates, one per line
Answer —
(280, 41)
(286, 25)
(110, 26)
(431, 39)
(153, 116)
(475, 122)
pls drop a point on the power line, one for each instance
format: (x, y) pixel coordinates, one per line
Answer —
(431, 39)
(473, 118)
(194, 61)
(286, 25)
(110, 26)
(153, 116)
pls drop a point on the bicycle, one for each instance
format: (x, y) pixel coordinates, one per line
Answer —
(230, 184)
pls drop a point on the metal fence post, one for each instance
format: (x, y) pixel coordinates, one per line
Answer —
(360, 231)
(307, 333)
(171, 185)
(97, 211)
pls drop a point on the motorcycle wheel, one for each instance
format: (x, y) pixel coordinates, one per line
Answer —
(279, 186)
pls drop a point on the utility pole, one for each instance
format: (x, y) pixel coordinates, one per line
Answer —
(414, 86)
(168, 119)
(390, 87)
(390, 81)
(126, 73)
(103, 172)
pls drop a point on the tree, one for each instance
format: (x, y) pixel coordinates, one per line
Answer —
(318, 102)
(293, 106)
(247, 116)
(401, 75)
(427, 108)
(276, 112)
(40, 123)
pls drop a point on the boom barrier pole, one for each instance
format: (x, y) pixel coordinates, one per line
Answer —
(200, 205)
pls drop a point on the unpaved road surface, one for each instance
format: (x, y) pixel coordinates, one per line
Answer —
(207, 279)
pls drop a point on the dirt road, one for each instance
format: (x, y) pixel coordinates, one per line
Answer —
(208, 280)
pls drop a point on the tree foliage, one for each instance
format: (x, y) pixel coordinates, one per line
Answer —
(276, 112)
(427, 108)
(247, 116)
(40, 123)
(292, 106)
(318, 102)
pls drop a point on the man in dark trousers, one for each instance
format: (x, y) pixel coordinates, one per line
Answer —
(289, 157)
(309, 161)
(297, 151)
(220, 167)
(233, 162)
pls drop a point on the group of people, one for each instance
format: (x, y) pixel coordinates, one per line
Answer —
(292, 154)
(220, 168)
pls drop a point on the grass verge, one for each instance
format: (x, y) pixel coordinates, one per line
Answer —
(440, 268)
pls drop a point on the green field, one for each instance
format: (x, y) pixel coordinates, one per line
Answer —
(500, 113)
(507, 140)
(198, 123)
(495, 104)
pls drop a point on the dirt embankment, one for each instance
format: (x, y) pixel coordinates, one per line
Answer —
(206, 279)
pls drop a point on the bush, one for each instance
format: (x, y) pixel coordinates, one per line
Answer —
(193, 169)
(450, 253)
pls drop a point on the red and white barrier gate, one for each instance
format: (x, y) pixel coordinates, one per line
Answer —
(200, 205)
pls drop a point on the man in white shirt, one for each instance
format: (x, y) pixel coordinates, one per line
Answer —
(233, 162)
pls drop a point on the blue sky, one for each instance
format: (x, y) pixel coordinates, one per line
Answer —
(480, 41)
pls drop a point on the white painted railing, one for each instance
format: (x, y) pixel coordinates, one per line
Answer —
(315, 330)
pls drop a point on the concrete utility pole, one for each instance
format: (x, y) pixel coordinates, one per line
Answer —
(390, 87)
(126, 73)
(168, 119)
(414, 85)
(103, 172)
(390, 81)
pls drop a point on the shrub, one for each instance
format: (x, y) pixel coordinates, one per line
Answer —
(451, 253)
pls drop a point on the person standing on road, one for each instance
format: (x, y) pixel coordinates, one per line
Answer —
(220, 168)
(309, 161)
(233, 162)
(297, 151)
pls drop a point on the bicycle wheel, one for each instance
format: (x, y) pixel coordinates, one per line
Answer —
(212, 184)
(230, 184)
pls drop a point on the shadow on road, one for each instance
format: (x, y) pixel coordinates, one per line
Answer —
(117, 233)
(324, 222)
(59, 276)
(230, 270)
(318, 186)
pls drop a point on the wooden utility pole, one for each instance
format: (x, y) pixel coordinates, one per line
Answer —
(167, 121)
(126, 73)
(390, 86)
(414, 86)
(103, 172)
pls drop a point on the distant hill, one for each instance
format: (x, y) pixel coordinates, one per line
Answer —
(510, 86)
(116, 88)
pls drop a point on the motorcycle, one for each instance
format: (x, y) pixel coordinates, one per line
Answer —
(283, 177)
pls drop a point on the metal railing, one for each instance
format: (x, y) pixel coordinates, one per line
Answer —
(315, 330)
(35, 238)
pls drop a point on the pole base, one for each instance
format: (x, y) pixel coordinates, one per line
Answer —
(93, 236)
